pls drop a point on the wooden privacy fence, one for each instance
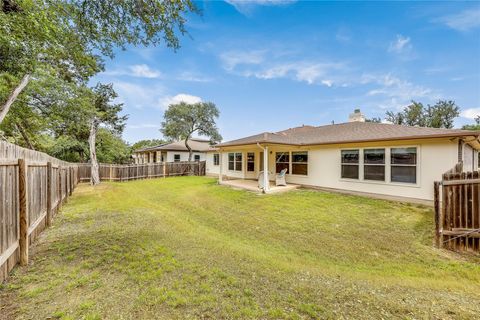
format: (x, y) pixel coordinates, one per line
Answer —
(115, 172)
(33, 186)
(457, 210)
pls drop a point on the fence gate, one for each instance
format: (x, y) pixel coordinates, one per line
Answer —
(457, 210)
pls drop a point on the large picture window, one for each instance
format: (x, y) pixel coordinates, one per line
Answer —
(404, 165)
(282, 161)
(300, 163)
(250, 161)
(374, 164)
(350, 164)
(216, 159)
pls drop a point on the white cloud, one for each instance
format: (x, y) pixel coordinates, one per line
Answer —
(181, 97)
(136, 70)
(463, 21)
(400, 45)
(193, 77)
(138, 96)
(232, 59)
(256, 64)
(398, 92)
(143, 71)
(470, 113)
(143, 126)
(246, 6)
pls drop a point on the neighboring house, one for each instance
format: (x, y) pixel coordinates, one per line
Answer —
(356, 156)
(172, 152)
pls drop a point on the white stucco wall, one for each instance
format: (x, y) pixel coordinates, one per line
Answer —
(434, 157)
(184, 155)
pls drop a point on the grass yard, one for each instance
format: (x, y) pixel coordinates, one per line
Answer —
(181, 248)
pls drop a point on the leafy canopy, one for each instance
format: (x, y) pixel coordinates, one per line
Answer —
(440, 115)
(182, 120)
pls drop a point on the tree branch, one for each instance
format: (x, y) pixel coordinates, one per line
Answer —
(13, 96)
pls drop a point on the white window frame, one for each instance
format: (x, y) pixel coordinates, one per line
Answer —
(384, 164)
(217, 156)
(358, 164)
(235, 162)
(387, 166)
(175, 156)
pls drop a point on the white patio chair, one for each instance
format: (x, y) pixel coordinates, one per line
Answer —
(280, 178)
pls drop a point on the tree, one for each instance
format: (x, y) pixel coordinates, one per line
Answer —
(440, 115)
(475, 126)
(374, 120)
(106, 114)
(182, 120)
(67, 34)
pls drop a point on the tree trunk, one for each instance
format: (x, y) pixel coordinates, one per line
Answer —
(93, 152)
(189, 150)
(13, 96)
(24, 135)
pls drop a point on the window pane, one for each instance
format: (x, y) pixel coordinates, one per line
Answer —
(300, 156)
(197, 157)
(282, 157)
(374, 156)
(238, 162)
(231, 165)
(250, 166)
(216, 159)
(231, 156)
(300, 168)
(250, 161)
(404, 155)
(350, 156)
(176, 157)
(374, 173)
(404, 174)
(281, 166)
(251, 156)
(350, 171)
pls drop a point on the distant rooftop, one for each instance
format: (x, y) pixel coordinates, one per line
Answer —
(197, 145)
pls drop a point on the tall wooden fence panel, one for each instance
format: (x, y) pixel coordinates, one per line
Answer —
(33, 186)
(115, 172)
(457, 210)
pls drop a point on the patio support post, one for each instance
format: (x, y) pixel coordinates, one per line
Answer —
(220, 173)
(265, 170)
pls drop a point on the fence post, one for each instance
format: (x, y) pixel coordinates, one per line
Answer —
(60, 192)
(164, 169)
(49, 194)
(438, 221)
(69, 181)
(23, 197)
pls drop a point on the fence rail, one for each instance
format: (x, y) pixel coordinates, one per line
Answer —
(457, 210)
(114, 172)
(33, 186)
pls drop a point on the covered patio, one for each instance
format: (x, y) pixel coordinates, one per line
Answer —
(252, 185)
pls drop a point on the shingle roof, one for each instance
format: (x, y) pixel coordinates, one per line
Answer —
(197, 145)
(347, 133)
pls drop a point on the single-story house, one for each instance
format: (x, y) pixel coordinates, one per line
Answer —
(356, 156)
(173, 152)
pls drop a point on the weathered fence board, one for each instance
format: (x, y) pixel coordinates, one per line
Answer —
(114, 172)
(459, 213)
(25, 187)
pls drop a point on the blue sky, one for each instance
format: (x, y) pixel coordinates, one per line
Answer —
(270, 65)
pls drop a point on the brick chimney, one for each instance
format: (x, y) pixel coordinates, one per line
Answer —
(356, 116)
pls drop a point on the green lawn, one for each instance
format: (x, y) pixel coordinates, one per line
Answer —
(185, 247)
